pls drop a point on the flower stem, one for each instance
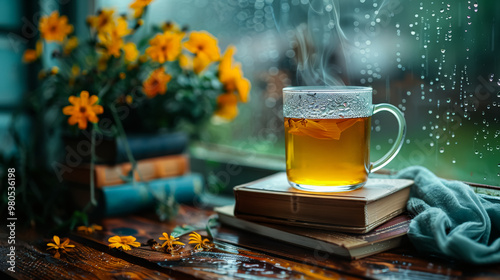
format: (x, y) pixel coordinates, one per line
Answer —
(92, 165)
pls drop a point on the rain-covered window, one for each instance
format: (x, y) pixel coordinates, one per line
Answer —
(436, 60)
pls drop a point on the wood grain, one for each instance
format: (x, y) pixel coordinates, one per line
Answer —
(223, 262)
(80, 262)
(237, 255)
(401, 263)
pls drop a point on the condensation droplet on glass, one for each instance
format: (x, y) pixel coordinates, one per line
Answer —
(448, 100)
(453, 161)
(476, 152)
(431, 144)
(378, 147)
(441, 150)
(443, 50)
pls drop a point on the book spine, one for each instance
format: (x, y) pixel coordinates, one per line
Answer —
(150, 146)
(132, 198)
(149, 169)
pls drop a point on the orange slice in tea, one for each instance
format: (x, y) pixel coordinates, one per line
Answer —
(320, 129)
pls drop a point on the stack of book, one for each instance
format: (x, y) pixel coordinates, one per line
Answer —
(162, 170)
(352, 224)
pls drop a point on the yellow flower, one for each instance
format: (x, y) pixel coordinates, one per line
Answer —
(42, 74)
(195, 238)
(231, 76)
(89, 230)
(131, 52)
(123, 241)
(102, 63)
(156, 83)
(143, 58)
(200, 62)
(31, 55)
(165, 47)
(75, 70)
(54, 70)
(205, 48)
(138, 7)
(113, 40)
(129, 99)
(103, 22)
(186, 62)
(58, 245)
(70, 45)
(170, 26)
(83, 109)
(203, 42)
(227, 107)
(55, 28)
(170, 242)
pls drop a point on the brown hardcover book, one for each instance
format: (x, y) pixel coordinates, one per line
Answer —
(354, 246)
(272, 200)
(149, 169)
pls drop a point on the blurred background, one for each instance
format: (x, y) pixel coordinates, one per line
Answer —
(435, 60)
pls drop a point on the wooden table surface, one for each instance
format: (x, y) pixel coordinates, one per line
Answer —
(237, 255)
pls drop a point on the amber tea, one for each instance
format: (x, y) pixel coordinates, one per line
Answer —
(327, 152)
(327, 137)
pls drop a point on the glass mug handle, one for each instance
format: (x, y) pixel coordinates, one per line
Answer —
(399, 140)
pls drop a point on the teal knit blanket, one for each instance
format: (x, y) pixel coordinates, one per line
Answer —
(451, 220)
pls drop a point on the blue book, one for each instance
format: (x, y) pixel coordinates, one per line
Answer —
(136, 197)
(114, 151)
(150, 146)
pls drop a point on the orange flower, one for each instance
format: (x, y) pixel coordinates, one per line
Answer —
(186, 62)
(123, 241)
(102, 62)
(113, 40)
(203, 42)
(103, 22)
(55, 28)
(205, 48)
(170, 241)
(231, 75)
(31, 55)
(156, 83)
(170, 26)
(195, 238)
(138, 7)
(227, 106)
(83, 109)
(70, 45)
(89, 230)
(131, 52)
(58, 245)
(165, 47)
